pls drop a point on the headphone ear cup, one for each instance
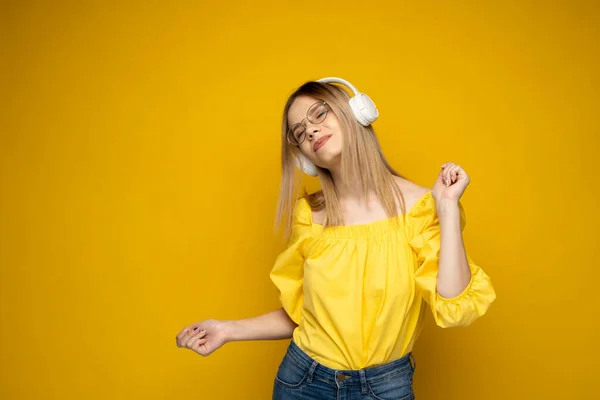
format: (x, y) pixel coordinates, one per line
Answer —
(305, 165)
(364, 109)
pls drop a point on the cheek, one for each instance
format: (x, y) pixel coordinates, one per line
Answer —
(335, 129)
(305, 149)
(334, 126)
(337, 142)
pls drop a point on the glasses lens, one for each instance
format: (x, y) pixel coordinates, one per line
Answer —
(296, 134)
(317, 113)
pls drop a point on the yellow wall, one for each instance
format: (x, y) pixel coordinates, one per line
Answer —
(139, 178)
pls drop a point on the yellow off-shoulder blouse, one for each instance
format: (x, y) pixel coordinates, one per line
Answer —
(359, 292)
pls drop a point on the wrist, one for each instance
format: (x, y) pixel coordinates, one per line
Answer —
(229, 328)
(447, 208)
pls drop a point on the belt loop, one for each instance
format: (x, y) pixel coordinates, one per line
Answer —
(311, 371)
(414, 363)
(363, 381)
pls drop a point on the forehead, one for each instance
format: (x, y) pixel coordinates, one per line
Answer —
(299, 108)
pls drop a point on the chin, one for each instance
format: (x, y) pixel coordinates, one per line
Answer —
(327, 160)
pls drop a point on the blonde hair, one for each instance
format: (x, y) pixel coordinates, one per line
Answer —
(362, 161)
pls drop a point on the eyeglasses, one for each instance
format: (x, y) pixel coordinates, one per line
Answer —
(315, 114)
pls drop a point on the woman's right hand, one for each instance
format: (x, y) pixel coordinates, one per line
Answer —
(203, 337)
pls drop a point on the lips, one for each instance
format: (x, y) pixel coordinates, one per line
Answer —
(319, 143)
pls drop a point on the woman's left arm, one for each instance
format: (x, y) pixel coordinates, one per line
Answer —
(454, 273)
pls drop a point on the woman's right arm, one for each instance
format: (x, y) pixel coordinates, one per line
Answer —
(206, 336)
(274, 325)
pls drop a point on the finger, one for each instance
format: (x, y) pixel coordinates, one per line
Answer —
(453, 173)
(447, 168)
(203, 349)
(184, 334)
(459, 172)
(197, 343)
(447, 175)
(191, 339)
(182, 337)
(181, 334)
(440, 178)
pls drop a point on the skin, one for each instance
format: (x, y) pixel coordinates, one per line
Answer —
(454, 274)
(329, 155)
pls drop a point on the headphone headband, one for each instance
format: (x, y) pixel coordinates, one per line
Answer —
(339, 80)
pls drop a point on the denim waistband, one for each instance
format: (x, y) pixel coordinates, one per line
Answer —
(351, 377)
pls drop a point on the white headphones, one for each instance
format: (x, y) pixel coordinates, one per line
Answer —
(364, 111)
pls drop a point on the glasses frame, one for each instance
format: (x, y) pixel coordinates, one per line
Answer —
(289, 132)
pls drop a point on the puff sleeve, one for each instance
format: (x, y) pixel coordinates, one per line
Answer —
(287, 273)
(474, 301)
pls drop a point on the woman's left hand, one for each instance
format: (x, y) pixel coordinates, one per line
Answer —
(451, 183)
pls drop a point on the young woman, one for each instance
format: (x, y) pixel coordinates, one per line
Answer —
(367, 254)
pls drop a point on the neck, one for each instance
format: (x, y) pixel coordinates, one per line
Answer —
(351, 191)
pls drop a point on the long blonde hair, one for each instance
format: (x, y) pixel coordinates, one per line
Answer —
(362, 161)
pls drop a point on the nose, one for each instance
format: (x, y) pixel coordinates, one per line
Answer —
(310, 131)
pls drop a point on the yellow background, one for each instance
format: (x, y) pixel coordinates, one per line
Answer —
(140, 171)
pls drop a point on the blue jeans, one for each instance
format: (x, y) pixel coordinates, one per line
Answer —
(301, 378)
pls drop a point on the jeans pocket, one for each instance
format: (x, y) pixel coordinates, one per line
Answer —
(397, 387)
(290, 374)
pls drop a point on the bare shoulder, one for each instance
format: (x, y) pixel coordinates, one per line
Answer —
(318, 216)
(411, 191)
